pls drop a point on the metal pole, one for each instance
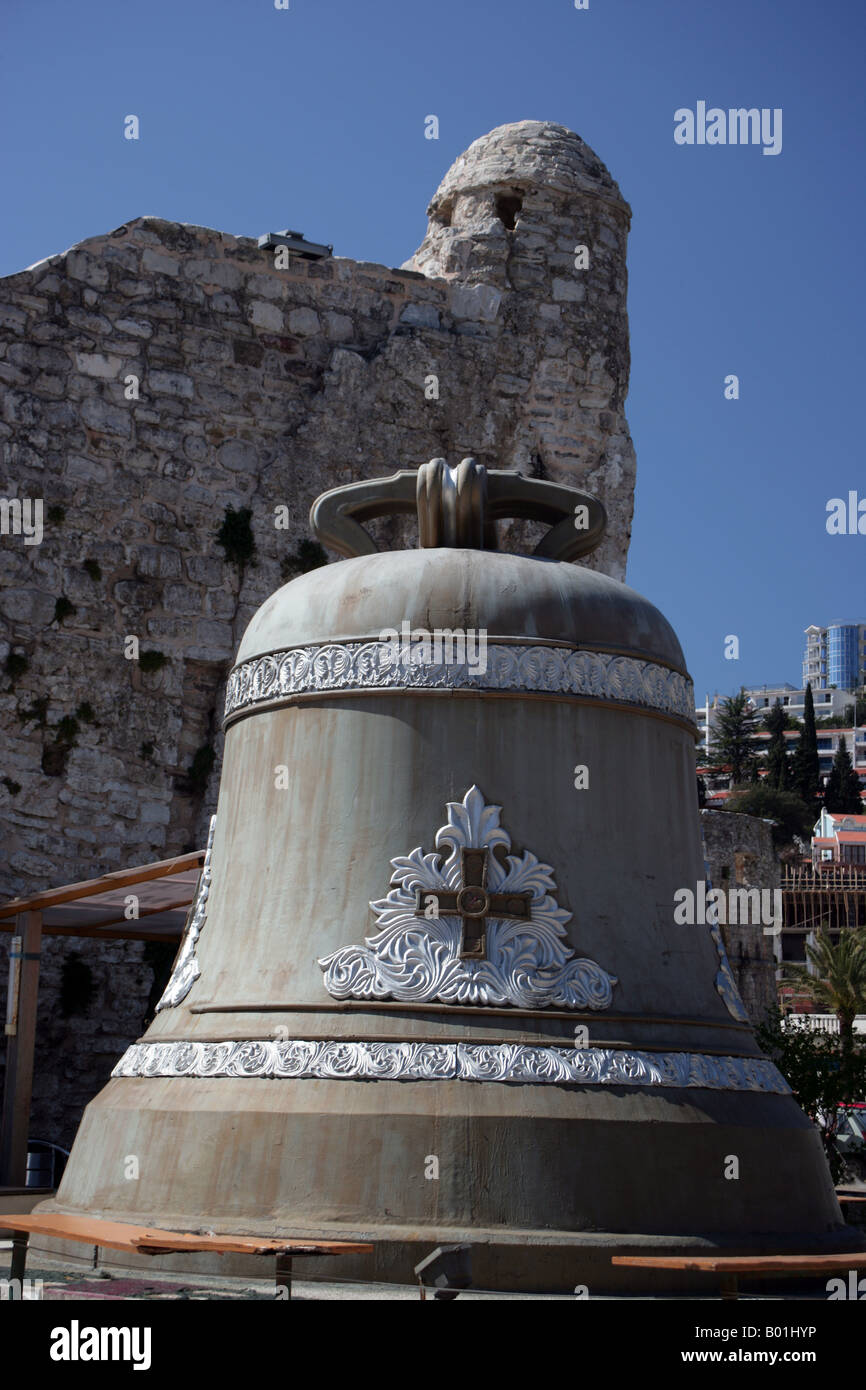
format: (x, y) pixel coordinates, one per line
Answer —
(20, 1049)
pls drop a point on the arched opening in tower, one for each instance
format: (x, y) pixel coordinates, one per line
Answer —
(508, 206)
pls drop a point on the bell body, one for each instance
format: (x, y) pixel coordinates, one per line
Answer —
(554, 1070)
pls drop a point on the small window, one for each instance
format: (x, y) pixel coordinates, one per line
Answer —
(508, 206)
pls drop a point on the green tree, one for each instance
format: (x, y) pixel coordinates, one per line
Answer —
(837, 980)
(778, 774)
(821, 1071)
(842, 793)
(733, 735)
(805, 765)
(789, 814)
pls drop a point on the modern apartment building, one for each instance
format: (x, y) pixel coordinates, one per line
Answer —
(828, 704)
(835, 655)
(718, 782)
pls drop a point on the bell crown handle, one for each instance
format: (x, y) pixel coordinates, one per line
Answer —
(458, 507)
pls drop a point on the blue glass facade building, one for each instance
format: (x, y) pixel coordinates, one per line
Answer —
(843, 655)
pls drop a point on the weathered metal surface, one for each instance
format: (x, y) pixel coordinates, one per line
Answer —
(508, 596)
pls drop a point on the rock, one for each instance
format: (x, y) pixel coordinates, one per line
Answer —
(475, 302)
(81, 265)
(170, 384)
(571, 290)
(339, 326)
(159, 263)
(135, 328)
(420, 315)
(265, 315)
(98, 364)
(238, 456)
(99, 414)
(158, 561)
(304, 322)
(27, 606)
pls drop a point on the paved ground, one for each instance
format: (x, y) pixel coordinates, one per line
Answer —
(60, 1283)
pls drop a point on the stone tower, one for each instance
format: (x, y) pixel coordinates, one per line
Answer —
(163, 379)
(506, 222)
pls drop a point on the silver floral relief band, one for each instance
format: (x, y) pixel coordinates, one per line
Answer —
(404, 1061)
(186, 970)
(519, 667)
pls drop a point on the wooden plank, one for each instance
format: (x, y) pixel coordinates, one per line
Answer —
(747, 1264)
(91, 887)
(114, 934)
(153, 1244)
(151, 1240)
(239, 1245)
(18, 1086)
(114, 1235)
(130, 932)
(74, 928)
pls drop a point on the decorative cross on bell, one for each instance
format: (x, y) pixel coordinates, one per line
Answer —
(472, 903)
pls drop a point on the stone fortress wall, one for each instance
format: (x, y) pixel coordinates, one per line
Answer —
(257, 388)
(740, 854)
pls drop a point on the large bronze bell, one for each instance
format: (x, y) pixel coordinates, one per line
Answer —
(432, 988)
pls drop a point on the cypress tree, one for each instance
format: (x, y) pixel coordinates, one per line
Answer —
(778, 774)
(842, 795)
(806, 769)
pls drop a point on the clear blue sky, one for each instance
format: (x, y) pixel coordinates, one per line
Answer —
(253, 119)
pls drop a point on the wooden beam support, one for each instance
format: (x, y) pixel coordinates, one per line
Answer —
(131, 932)
(20, 1048)
(122, 878)
(134, 934)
